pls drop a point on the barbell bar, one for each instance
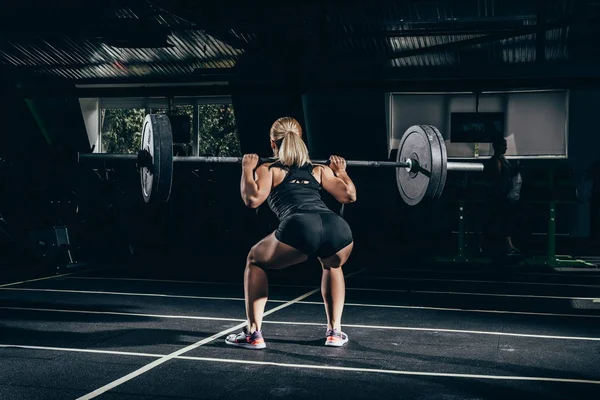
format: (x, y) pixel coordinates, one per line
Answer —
(97, 157)
(421, 163)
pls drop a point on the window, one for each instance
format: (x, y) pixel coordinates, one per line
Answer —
(217, 131)
(210, 121)
(121, 130)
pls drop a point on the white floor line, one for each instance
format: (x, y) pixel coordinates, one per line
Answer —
(100, 278)
(474, 271)
(473, 310)
(436, 330)
(93, 351)
(471, 332)
(529, 296)
(314, 367)
(174, 296)
(178, 281)
(177, 353)
(417, 291)
(571, 269)
(395, 372)
(320, 303)
(361, 326)
(202, 342)
(385, 278)
(123, 314)
(35, 280)
(533, 296)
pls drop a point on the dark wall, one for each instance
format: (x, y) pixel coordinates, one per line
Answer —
(38, 140)
(584, 142)
(256, 112)
(26, 174)
(348, 124)
(61, 122)
(25, 177)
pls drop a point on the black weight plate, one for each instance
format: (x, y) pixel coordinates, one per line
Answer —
(444, 170)
(419, 143)
(157, 139)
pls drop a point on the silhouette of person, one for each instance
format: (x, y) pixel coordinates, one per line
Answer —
(501, 212)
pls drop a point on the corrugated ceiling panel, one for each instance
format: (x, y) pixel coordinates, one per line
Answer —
(359, 29)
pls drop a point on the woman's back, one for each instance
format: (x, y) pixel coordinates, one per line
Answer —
(295, 190)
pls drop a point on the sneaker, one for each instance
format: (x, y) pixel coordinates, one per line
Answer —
(246, 340)
(336, 338)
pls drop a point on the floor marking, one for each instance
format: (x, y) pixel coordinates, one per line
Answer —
(393, 372)
(408, 328)
(129, 294)
(192, 282)
(528, 335)
(119, 353)
(35, 280)
(477, 281)
(533, 296)
(571, 269)
(168, 357)
(202, 342)
(475, 271)
(346, 304)
(155, 280)
(472, 310)
(298, 323)
(317, 367)
(354, 289)
(124, 314)
(408, 291)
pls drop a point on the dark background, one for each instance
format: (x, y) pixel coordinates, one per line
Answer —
(298, 63)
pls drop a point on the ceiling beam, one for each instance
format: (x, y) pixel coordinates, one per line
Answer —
(484, 39)
(121, 67)
(554, 75)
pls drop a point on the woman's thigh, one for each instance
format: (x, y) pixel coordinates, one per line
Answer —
(270, 253)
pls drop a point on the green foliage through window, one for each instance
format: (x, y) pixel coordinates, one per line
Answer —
(122, 130)
(217, 131)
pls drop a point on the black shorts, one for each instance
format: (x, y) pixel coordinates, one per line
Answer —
(315, 234)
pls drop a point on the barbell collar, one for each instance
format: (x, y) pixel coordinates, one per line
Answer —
(465, 166)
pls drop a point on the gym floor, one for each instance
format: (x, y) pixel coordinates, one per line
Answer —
(434, 332)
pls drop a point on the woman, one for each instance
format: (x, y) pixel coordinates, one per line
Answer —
(307, 227)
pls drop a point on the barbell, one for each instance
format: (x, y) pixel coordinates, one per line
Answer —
(421, 162)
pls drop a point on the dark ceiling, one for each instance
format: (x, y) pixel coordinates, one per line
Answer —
(67, 42)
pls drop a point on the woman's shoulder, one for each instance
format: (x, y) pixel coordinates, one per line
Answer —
(274, 164)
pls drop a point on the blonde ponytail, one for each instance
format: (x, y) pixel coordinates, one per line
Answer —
(287, 134)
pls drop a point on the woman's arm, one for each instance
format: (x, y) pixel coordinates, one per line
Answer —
(256, 185)
(336, 181)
